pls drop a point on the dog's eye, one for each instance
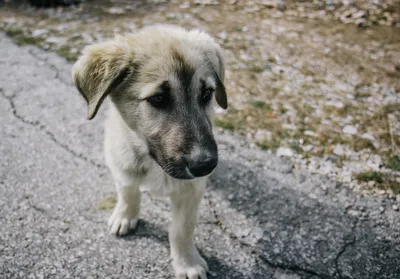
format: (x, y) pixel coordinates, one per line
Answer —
(206, 96)
(159, 100)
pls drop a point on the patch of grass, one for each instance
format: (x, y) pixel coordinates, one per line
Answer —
(359, 144)
(14, 31)
(382, 180)
(224, 124)
(65, 52)
(296, 147)
(20, 38)
(106, 203)
(282, 109)
(367, 176)
(392, 162)
(260, 105)
(390, 184)
(347, 109)
(378, 123)
(272, 144)
(256, 69)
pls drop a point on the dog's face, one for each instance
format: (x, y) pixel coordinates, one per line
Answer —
(163, 81)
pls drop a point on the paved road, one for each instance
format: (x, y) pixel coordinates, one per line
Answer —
(261, 218)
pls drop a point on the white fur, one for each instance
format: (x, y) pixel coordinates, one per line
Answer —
(185, 196)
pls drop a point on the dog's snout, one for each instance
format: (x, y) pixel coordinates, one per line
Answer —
(202, 167)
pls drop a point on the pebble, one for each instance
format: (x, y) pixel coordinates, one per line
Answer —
(262, 135)
(351, 130)
(116, 11)
(284, 152)
(338, 150)
(39, 32)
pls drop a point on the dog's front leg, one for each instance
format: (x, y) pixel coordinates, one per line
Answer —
(186, 260)
(125, 214)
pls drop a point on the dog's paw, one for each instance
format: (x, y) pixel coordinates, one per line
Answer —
(121, 221)
(191, 267)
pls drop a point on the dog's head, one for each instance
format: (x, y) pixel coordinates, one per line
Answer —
(163, 80)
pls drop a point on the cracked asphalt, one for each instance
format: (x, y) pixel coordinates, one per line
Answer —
(261, 217)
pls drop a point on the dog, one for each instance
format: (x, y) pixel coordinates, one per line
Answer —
(163, 83)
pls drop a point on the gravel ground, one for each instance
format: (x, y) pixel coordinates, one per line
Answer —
(261, 218)
(318, 82)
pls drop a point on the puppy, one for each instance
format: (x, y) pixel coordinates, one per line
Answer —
(163, 82)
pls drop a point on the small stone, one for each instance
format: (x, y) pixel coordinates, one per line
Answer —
(289, 127)
(309, 133)
(351, 130)
(368, 136)
(245, 232)
(262, 135)
(284, 151)
(395, 207)
(230, 197)
(56, 40)
(381, 209)
(39, 32)
(381, 192)
(116, 11)
(223, 35)
(338, 150)
(308, 147)
(358, 14)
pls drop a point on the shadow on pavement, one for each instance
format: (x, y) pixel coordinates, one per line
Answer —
(309, 231)
(219, 270)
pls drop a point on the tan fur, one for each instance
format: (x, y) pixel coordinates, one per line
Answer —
(129, 69)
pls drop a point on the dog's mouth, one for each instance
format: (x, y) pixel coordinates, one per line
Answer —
(180, 172)
(187, 171)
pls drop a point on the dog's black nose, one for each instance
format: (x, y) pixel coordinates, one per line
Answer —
(202, 167)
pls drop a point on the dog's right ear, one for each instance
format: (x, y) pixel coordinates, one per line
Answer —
(100, 70)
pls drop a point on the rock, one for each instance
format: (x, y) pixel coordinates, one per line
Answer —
(56, 40)
(262, 135)
(336, 104)
(359, 14)
(39, 32)
(269, 3)
(351, 130)
(308, 147)
(289, 126)
(223, 35)
(309, 133)
(116, 11)
(368, 136)
(338, 150)
(284, 152)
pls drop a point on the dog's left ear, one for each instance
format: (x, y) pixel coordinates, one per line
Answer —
(99, 72)
(219, 68)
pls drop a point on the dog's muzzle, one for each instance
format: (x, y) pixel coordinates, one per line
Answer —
(202, 167)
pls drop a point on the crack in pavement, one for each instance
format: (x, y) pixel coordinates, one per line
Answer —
(254, 251)
(341, 252)
(51, 66)
(344, 248)
(37, 124)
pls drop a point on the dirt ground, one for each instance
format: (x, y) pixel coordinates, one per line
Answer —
(318, 82)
